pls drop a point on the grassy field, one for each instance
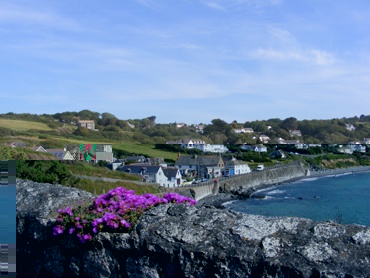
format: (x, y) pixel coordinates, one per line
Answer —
(101, 187)
(144, 149)
(23, 125)
(87, 169)
(147, 150)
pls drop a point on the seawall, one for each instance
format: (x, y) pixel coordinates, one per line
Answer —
(246, 182)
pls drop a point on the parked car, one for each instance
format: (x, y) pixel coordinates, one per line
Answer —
(196, 181)
(260, 167)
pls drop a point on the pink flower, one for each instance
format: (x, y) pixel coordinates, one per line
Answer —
(58, 230)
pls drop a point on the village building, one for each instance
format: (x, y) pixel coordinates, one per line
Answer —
(201, 166)
(89, 124)
(235, 167)
(61, 154)
(174, 178)
(260, 148)
(295, 133)
(148, 173)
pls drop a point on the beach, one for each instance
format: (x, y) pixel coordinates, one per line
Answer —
(222, 198)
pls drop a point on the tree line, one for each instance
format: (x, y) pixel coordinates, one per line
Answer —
(146, 131)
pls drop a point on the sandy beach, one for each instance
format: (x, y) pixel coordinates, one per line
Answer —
(221, 198)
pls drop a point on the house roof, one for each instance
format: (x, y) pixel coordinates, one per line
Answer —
(234, 162)
(57, 152)
(39, 148)
(138, 169)
(170, 172)
(135, 158)
(198, 160)
(156, 160)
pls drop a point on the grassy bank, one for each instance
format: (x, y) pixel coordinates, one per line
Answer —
(62, 173)
(23, 125)
(101, 187)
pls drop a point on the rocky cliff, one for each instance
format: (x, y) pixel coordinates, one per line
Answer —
(185, 241)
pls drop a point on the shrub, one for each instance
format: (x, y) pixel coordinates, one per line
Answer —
(42, 171)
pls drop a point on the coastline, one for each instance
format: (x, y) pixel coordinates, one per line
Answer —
(221, 198)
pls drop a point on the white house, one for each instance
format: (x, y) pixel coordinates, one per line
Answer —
(180, 125)
(264, 138)
(61, 154)
(350, 127)
(39, 149)
(173, 175)
(295, 133)
(236, 167)
(191, 143)
(357, 147)
(243, 130)
(151, 174)
(212, 148)
(255, 148)
(345, 149)
(202, 166)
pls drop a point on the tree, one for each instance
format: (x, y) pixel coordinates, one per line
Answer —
(289, 123)
(88, 115)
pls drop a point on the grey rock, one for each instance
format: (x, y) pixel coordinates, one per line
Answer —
(185, 241)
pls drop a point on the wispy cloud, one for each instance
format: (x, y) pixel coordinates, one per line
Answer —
(313, 56)
(227, 4)
(22, 15)
(214, 5)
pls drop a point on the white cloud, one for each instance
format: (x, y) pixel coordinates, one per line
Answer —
(24, 16)
(227, 4)
(321, 57)
(314, 56)
(215, 6)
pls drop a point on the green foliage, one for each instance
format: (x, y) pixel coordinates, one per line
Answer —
(146, 131)
(8, 153)
(81, 131)
(42, 171)
(177, 149)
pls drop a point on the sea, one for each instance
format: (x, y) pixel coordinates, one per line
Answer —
(342, 198)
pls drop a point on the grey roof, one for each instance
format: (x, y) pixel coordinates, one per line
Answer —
(135, 158)
(235, 162)
(170, 172)
(211, 160)
(59, 153)
(140, 169)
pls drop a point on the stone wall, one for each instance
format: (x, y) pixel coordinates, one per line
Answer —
(185, 241)
(243, 183)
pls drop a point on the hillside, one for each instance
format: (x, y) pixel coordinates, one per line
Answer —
(61, 128)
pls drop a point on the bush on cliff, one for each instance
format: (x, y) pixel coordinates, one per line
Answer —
(42, 171)
(116, 211)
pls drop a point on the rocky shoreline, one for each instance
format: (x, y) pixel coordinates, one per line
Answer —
(217, 200)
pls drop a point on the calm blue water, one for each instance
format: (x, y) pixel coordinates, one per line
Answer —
(7, 214)
(325, 198)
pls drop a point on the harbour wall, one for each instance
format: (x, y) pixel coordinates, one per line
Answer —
(245, 182)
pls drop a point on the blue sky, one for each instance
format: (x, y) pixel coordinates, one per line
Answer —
(186, 60)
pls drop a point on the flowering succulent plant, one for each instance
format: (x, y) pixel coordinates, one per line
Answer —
(116, 211)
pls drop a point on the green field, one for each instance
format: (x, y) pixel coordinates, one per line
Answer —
(23, 125)
(145, 149)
